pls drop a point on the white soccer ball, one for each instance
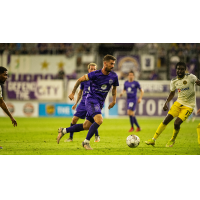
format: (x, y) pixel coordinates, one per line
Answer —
(132, 141)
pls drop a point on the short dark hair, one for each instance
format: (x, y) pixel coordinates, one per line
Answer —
(181, 64)
(131, 72)
(108, 58)
(2, 69)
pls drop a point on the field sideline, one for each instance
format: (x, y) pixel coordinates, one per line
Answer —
(37, 136)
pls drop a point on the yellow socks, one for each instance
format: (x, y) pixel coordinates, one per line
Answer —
(198, 132)
(175, 133)
(159, 130)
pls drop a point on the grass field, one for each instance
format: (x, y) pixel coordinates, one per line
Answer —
(37, 136)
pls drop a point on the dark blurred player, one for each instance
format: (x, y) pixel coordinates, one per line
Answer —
(131, 87)
(198, 129)
(101, 82)
(3, 78)
(81, 109)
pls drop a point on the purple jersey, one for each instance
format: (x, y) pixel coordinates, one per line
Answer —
(101, 84)
(85, 86)
(131, 89)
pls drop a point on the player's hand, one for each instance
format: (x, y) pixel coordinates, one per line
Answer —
(111, 105)
(165, 107)
(198, 82)
(71, 96)
(74, 106)
(14, 122)
(139, 100)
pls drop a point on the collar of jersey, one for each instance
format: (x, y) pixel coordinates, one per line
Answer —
(181, 78)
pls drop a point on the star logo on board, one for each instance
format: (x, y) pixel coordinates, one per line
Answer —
(17, 65)
(45, 65)
(60, 65)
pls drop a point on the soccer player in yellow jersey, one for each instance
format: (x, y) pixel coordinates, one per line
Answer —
(198, 129)
(182, 107)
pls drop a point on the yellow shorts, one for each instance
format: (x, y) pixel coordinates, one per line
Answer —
(180, 111)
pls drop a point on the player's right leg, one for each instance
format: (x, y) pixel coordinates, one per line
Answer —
(130, 114)
(159, 130)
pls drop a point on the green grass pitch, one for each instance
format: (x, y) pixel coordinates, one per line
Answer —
(37, 136)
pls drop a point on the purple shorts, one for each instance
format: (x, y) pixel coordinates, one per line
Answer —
(81, 111)
(131, 105)
(93, 107)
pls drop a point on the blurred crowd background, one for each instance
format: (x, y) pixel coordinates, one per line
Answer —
(162, 56)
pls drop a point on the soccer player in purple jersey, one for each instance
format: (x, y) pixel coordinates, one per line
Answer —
(3, 78)
(131, 87)
(81, 109)
(101, 82)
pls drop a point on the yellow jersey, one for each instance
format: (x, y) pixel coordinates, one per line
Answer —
(186, 90)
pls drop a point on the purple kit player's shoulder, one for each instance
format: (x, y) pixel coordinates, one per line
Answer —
(94, 74)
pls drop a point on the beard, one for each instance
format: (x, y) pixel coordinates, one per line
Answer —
(1, 82)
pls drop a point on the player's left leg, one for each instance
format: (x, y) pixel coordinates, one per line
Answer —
(129, 112)
(198, 133)
(74, 121)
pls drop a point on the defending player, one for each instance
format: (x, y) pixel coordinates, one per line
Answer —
(182, 107)
(130, 87)
(3, 78)
(198, 129)
(101, 82)
(81, 109)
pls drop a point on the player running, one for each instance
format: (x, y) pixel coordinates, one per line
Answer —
(130, 87)
(101, 82)
(3, 78)
(182, 107)
(81, 109)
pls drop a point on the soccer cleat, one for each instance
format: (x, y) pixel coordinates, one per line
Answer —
(131, 130)
(87, 146)
(170, 143)
(97, 139)
(60, 134)
(138, 129)
(69, 140)
(150, 142)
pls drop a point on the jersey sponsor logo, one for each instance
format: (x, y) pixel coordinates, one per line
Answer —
(184, 82)
(183, 89)
(110, 81)
(103, 87)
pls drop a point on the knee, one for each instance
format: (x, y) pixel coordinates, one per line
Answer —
(74, 120)
(176, 125)
(86, 127)
(99, 121)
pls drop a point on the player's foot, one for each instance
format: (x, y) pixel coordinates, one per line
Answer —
(150, 142)
(97, 139)
(69, 140)
(86, 145)
(131, 130)
(60, 134)
(1, 147)
(138, 129)
(170, 143)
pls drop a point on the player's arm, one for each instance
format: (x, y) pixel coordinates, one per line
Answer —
(121, 94)
(197, 82)
(4, 107)
(78, 82)
(141, 95)
(170, 97)
(114, 95)
(78, 99)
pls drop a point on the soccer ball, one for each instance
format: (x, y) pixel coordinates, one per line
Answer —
(132, 141)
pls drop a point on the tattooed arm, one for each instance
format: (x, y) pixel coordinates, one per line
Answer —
(78, 82)
(114, 94)
(78, 99)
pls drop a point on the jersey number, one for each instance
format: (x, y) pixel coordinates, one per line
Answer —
(131, 104)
